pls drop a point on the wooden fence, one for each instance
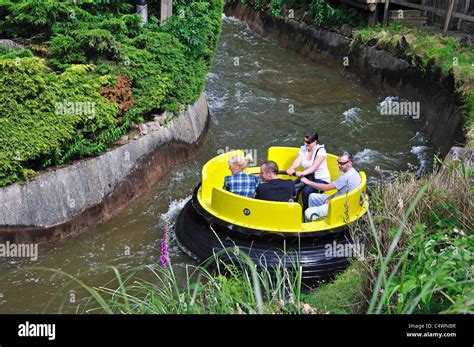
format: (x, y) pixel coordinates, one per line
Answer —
(448, 9)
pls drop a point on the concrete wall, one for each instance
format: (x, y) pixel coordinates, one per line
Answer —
(62, 202)
(378, 69)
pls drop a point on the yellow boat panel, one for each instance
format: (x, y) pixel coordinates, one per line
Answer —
(278, 216)
(283, 156)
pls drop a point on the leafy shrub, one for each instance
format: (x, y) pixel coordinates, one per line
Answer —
(163, 53)
(137, 70)
(150, 87)
(33, 17)
(84, 46)
(120, 93)
(6, 53)
(324, 12)
(33, 122)
(197, 26)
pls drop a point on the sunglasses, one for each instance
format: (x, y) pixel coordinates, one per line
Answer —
(342, 163)
(307, 142)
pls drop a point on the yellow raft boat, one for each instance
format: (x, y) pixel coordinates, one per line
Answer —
(267, 231)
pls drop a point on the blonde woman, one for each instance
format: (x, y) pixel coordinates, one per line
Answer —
(240, 183)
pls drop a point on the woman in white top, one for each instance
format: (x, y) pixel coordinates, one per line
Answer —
(312, 157)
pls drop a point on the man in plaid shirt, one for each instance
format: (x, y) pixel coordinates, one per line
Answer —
(240, 183)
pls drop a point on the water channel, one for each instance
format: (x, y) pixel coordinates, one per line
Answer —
(260, 96)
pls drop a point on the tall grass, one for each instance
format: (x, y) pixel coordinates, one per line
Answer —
(420, 259)
(227, 283)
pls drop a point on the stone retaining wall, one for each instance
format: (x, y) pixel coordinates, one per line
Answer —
(64, 201)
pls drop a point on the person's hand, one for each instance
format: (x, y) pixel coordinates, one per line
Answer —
(305, 180)
(299, 173)
(290, 172)
(327, 200)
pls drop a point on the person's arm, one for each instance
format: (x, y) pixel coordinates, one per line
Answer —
(295, 164)
(317, 162)
(257, 194)
(257, 186)
(318, 186)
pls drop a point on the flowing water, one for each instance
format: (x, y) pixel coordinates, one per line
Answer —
(259, 95)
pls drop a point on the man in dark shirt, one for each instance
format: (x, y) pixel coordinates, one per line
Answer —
(274, 188)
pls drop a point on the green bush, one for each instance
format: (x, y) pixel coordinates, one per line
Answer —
(424, 250)
(90, 44)
(324, 12)
(197, 26)
(85, 46)
(41, 111)
(162, 52)
(33, 17)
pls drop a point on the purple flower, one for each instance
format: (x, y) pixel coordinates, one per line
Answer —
(164, 251)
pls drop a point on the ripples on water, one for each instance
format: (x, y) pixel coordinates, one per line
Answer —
(259, 96)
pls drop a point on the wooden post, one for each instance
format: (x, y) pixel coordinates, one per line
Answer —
(423, 3)
(434, 14)
(142, 10)
(455, 8)
(166, 10)
(466, 9)
(448, 17)
(385, 13)
(373, 15)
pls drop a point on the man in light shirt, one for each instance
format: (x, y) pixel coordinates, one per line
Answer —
(347, 182)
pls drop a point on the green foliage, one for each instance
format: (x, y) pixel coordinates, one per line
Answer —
(324, 12)
(321, 11)
(84, 46)
(428, 267)
(237, 288)
(163, 75)
(436, 272)
(90, 43)
(349, 15)
(6, 53)
(33, 17)
(276, 7)
(469, 109)
(342, 296)
(35, 118)
(197, 26)
(364, 35)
